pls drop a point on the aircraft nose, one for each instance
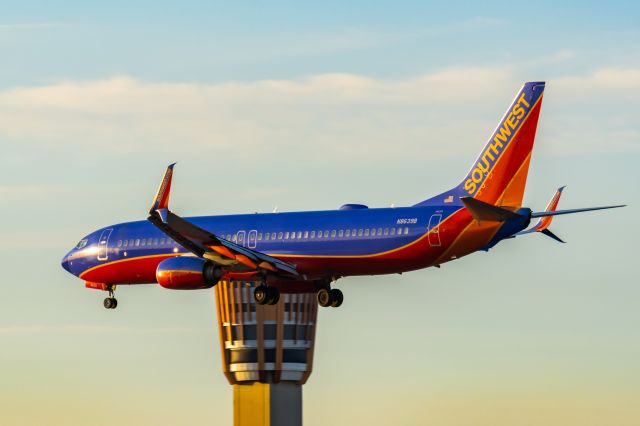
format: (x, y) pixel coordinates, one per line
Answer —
(66, 262)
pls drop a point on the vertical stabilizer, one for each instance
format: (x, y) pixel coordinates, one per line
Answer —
(499, 174)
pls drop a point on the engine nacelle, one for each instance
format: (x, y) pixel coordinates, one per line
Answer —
(187, 273)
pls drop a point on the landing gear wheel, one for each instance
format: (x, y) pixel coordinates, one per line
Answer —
(336, 297)
(324, 297)
(274, 295)
(261, 295)
(110, 303)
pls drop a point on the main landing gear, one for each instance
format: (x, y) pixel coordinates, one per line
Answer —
(266, 295)
(111, 302)
(330, 297)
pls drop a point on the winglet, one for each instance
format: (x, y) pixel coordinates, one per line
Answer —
(162, 196)
(545, 221)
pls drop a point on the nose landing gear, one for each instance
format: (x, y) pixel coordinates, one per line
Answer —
(111, 302)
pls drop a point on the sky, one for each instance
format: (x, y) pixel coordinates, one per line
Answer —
(309, 107)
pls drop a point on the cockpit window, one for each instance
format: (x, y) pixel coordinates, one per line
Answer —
(81, 244)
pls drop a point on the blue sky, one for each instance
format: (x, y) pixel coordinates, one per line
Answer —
(310, 107)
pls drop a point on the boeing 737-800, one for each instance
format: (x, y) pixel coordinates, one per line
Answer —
(309, 251)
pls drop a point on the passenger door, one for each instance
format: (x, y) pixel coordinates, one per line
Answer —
(103, 250)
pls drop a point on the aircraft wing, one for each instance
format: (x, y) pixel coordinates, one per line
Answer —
(204, 244)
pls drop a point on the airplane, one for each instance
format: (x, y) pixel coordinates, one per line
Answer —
(309, 251)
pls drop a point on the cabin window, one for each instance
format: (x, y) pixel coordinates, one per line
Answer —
(293, 235)
(273, 235)
(366, 232)
(326, 234)
(280, 234)
(319, 234)
(333, 233)
(234, 238)
(353, 232)
(393, 231)
(379, 231)
(149, 241)
(266, 236)
(260, 236)
(406, 231)
(341, 233)
(386, 231)
(286, 235)
(347, 233)
(125, 243)
(155, 241)
(119, 243)
(137, 242)
(359, 232)
(399, 231)
(313, 234)
(299, 234)
(143, 242)
(306, 234)
(131, 242)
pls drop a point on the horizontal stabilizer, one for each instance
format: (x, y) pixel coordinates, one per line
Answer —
(551, 235)
(482, 211)
(559, 212)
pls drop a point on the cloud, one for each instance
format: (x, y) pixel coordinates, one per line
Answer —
(342, 115)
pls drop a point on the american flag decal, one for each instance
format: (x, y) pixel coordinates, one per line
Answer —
(449, 199)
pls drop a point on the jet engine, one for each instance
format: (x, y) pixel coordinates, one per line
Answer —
(187, 273)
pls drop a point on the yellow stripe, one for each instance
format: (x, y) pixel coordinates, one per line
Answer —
(126, 260)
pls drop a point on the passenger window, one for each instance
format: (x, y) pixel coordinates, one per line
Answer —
(143, 242)
(131, 242)
(340, 233)
(359, 232)
(326, 234)
(406, 231)
(119, 243)
(126, 243)
(333, 233)
(366, 232)
(393, 231)
(266, 236)
(306, 234)
(353, 232)
(260, 236)
(155, 241)
(280, 235)
(386, 231)
(234, 238)
(299, 234)
(293, 235)
(379, 231)
(399, 231)
(137, 242)
(319, 234)
(286, 235)
(313, 234)
(347, 233)
(273, 235)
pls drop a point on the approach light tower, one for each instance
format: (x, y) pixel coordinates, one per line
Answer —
(267, 352)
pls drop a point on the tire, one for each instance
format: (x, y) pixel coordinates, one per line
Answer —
(336, 297)
(261, 295)
(274, 295)
(114, 303)
(324, 297)
(107, 303)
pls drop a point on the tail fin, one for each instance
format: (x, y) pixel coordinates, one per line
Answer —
(499, 174)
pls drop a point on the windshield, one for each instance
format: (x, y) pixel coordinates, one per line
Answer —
(81, 244)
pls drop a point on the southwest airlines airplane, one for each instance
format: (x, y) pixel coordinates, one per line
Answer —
(308, 251)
